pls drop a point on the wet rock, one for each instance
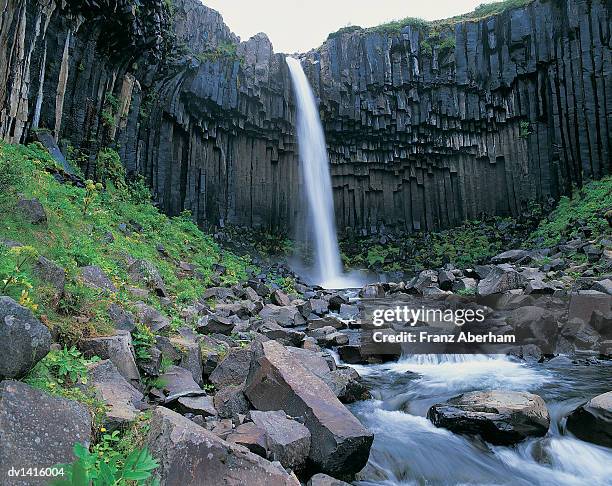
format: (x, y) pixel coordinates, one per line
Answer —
(529, 352)
(325, 480)
(24, 340)
(93, 277)
(38, 430)
(500, 417)
(371, 292)
(336, 300)
(278, 381)
(233, 369)
(32, 210)
(288, 316)
(144, 272)
(346, 384)
(351, 354)
(604, 286)
(250, 436)
(214, 324)
(118, 349)
(605, 349)
(190, 455)
(328, 336)
(124, 402)
(288, 441)
(348, 311)
(319, 306)
(580, 334)
(327, 321)
(593, 421)
(500, 279)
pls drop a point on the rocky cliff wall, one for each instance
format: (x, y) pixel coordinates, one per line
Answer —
(423, 131)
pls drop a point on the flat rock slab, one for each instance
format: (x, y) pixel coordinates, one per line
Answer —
(94, 278)
(500, 417)
(118, 349)
(38, 430)
(24, 340)
(278, 381)
(593, 421)
(178, 382)
(190, 455)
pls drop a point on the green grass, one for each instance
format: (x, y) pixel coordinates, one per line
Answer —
(587, 208)
(83, 229)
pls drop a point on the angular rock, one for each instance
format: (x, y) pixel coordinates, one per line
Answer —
(509, 256)
(231, 402)
(215, 324)
(250, 436)
(327, 321)
(144, 272)
(234, 368)
(38, 430)
(278, 381)
(288, 316)
(51, 273)
(202, 405)
(190, 455)
(190, 353)
(286, 336)
(123, 401)
(93, 277)
(32, 210)
(500, 279)
(122, 319)
(151, 317)
(279, 297)
(287, 440)
(218, 293)
(604, 286)
(325, 480)
(24, 340)
(593, 421)
(118, 349)
(500, 417)
(178, 382)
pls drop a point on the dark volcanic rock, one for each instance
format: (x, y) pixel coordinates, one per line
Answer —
(118, 349)
(190, 455)
(32, 210)
(278, 381)
(500, 417)
(95, 278)
(593, 421)
(24, 340)
(38, 430)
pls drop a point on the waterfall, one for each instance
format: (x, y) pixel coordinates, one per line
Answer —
(317, 179)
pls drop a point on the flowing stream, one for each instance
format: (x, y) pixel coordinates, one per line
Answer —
(314, 165)
(409, 450)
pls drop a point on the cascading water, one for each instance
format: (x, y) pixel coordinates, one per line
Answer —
(317, 179)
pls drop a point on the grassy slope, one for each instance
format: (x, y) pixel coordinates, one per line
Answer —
(76, 236)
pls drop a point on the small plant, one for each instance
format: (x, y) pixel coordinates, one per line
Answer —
(143, 340)
(525, 129)
(90, 469)
(15, 276)
(468, 291)
(91, 192)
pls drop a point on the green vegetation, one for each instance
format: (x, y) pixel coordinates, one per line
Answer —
(97, 226)
(110, 110)
(524, 129)
(225, 50)
(587, 208)
(395, 26)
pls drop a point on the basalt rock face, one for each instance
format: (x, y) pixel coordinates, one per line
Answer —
(422, 135)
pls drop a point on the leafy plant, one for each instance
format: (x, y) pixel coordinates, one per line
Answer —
(91, 191)
(143, 340)
(525, 129)
(89, 469)
(14, 274)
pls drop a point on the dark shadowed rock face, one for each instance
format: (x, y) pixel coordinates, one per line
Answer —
(593, 421)
(419, 137)
(278, 381)
(24, 340)
(500, 417)
(190, 455)
(38, 430)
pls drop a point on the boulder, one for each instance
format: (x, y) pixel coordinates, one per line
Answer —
(202, 405)
(500, 279)
(218, 293)
(151, 317)
(278, 381)
(50, 272)
(499, 417)
(336, 300)
(279, 297)
(190, 455)
(371, 291)
(325, 480)
(351, 354)
(144, 272)
(122, 319)
(250, 436)
(94, 278)
(446, 280)
(123, 401)
(286, 336)
(427, 278)
(32, 210)
(231, 402)
(536, 323)
(604, 286)
(509, 256)
(214, 324)
(24, 340)
(327, 321)
(593, 421)
(178, 382)
(287, 440)
(319, 306)
(287, 316)
(118, 349)
(38, 430)
(190, 353)
(605, 349)
(233, 369)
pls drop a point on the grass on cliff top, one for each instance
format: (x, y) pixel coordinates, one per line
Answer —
(96, 226)
(586, 208)
(395, 26)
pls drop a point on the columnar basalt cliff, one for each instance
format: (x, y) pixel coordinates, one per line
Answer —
(494, 114)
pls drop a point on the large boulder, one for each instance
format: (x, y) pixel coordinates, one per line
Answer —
(38, 430)
(94, 277)
(250, 436)
(144, 272)
(499, 417)
(500, 279)
(24, 340)
(287, 316)
(593, 421)
(118, 349)
(190, 353)
(278, 381)
(124, 402)
(32, 210)
(190, 455)
(178, 382)
(50, 272)
(215, 324)
(287, 440)
(151, 317)
(234, 368)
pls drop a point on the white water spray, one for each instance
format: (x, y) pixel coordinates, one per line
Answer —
(317, 179)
